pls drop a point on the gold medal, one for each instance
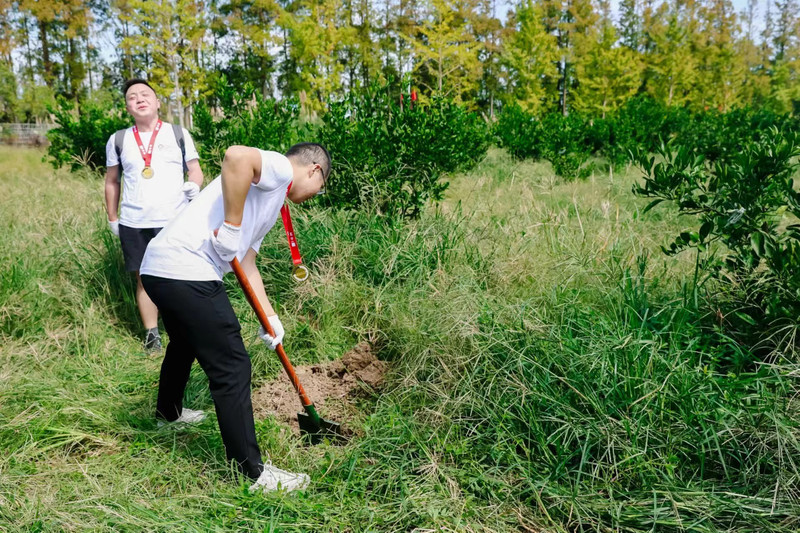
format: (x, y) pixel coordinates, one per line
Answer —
(300, 273)
(147, 173)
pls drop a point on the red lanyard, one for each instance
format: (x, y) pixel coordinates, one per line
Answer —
(287, 225)
(299, 272)
(147, 154)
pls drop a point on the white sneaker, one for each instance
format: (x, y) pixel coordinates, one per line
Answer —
(273, 478)
(188, 416)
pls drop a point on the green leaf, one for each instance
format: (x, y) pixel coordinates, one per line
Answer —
(705, 229)
(757, 243)
(652, 204)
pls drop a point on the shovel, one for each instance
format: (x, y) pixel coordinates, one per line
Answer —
(311, 424)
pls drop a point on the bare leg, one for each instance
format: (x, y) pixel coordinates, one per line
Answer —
(147, 309)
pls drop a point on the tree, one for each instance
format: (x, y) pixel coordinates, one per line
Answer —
(569, 20)
(252, 25)
(529, 57)
(7, 40)
(630, 24)
(447, 62)
(755, 86)
(361, 64)
(399, 27)
(488, 29)
(670, 62)
(721, 69)
(55, 33)
(785, 80)
(311, 68)
(8, 94)
(42, 15)
(609, 74)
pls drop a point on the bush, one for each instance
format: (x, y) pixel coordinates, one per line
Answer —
(80, 137)
(561, 140)
(381, 156)
(740, 200)
(642, 125)
(247, 118)
(520, 133)
(394, 159)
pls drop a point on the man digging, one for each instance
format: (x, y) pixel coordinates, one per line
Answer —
(182, 273)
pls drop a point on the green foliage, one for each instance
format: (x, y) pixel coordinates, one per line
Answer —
(561, 140)
(742, 200)
(9, 105)
(394, 159)
(556, 383)
(244, 117)
(641, 125)
(79, 139)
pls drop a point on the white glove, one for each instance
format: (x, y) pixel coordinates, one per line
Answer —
(113, 225)
(272, 342)
(226, 241)
(190, 190)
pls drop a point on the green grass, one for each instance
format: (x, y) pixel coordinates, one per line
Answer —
(550, 371)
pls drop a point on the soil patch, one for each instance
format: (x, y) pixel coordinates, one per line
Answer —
(331, 386)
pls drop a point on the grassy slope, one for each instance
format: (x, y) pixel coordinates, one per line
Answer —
(546, 375)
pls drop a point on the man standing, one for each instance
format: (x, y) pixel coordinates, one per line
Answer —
(182, 272)
(152, 163)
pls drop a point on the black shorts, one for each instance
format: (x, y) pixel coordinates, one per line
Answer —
(134, 242)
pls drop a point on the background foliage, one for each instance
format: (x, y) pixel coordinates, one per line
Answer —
(544, 55)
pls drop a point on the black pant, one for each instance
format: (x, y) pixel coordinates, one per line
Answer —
(201, 324)
(134, 242)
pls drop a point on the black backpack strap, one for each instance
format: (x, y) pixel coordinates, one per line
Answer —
(176, 128)
(119, 138)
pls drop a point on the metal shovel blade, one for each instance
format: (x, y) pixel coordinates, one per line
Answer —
(319, 429)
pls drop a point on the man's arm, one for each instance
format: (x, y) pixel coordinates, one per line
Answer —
(112, 192)
(254, 277)
(195, 172)
(240, 167)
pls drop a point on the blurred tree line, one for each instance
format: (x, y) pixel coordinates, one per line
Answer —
(544, 55)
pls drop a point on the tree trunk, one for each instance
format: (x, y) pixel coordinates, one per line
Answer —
(46, 63)
(564, 90)
(671, 90)
(440, 73)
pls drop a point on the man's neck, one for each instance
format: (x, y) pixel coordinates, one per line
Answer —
(147, 124)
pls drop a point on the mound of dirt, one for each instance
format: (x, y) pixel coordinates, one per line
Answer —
(331, 386)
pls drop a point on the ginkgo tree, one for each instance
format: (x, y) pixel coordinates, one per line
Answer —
(529, 57)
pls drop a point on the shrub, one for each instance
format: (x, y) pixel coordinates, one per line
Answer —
(246, 118)
(520, 133)
(80, 137)
(561, 140)
(394, 159)
(740, 200)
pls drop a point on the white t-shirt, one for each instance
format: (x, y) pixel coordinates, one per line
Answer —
(151, 203)
(183, 250)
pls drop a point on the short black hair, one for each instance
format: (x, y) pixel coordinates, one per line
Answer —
(310, 154)
(135, 81)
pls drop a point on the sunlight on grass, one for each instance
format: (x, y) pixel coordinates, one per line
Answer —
(546, 373)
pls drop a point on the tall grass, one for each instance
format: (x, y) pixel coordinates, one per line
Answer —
(548, 373)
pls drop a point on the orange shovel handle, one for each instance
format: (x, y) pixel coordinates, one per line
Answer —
(250, 294)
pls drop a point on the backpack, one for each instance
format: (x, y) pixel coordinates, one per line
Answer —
(119, 137)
